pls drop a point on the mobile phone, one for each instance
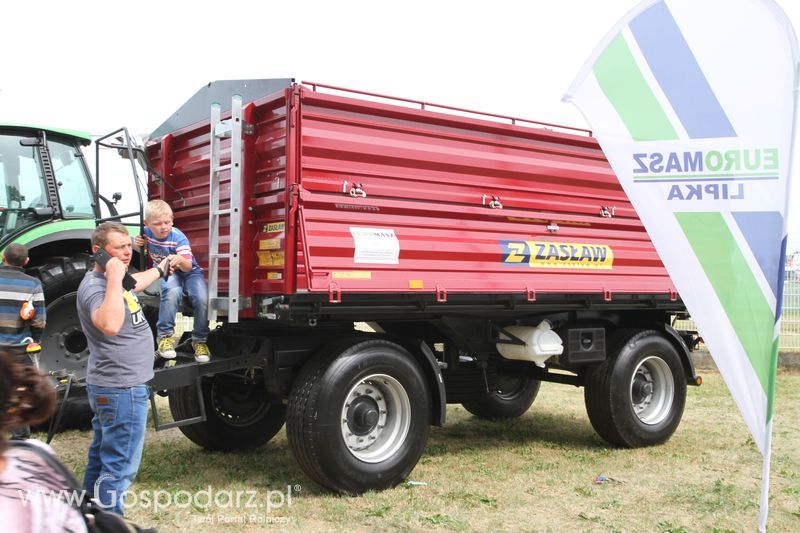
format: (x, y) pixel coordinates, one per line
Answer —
(101, 257)
(166, 272)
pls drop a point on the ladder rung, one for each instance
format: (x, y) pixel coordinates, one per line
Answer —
(225, 211)
(222, 168)
(223, 256)
(220, 303)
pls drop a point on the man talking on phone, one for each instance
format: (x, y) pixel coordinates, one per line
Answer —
(120, 363)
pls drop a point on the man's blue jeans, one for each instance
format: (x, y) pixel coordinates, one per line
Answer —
(194, 284)
(120, 417)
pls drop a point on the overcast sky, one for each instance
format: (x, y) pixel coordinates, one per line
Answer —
(98, 65)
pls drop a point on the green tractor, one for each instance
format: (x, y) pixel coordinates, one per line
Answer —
(49, 203)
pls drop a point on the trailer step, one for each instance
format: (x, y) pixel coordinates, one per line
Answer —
(178, 423)
(191, 374)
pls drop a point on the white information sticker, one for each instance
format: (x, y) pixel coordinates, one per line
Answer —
(375, 245)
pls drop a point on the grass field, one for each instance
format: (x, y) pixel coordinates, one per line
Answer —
(535, 473)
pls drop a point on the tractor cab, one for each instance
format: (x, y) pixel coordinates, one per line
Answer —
(50, 203)
(43, 177)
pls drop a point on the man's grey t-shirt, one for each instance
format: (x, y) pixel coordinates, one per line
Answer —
(126, 359)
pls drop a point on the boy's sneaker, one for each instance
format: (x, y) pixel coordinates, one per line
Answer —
(166, 348)
(201, 352)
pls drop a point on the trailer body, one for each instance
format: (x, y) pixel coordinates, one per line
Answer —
(452, 234)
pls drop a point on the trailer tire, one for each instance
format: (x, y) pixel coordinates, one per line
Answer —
(636, 398)
(515, 396)
(239, 415)
(64, 345)
(359, 416)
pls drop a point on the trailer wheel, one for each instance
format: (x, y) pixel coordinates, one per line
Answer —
(64, 345)
(514, 397)
(239, 415)
(636, 398)
(359, 416)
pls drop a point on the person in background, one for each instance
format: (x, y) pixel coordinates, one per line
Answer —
(28, 397)
(163, 240)
(120, 365)
(22, 311)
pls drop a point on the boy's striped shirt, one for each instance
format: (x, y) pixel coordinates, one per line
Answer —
(16, 287)
(176, 243)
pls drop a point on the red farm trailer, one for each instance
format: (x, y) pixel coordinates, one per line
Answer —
(371, 259)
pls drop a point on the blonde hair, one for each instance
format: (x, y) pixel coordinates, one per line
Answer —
(156, 208)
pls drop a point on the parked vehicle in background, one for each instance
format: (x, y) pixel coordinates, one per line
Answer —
(49, 202)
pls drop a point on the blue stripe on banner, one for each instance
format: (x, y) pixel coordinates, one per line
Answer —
(781, 279)
(677, 72)
(762, 231)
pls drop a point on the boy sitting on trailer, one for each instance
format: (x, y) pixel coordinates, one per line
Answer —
(165, 240)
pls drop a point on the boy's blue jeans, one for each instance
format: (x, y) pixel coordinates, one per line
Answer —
(194, 284)
(119, 423)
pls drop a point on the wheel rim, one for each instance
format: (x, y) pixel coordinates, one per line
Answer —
(652, 390)
(64, 345)
(239, 404)
(376, 416)
(510, 387)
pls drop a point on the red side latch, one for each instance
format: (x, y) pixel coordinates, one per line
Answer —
(673, 294)
(607, 295)
(530, 294)
(441, 294)
(334, 294)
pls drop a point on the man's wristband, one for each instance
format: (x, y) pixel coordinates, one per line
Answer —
(160, 272)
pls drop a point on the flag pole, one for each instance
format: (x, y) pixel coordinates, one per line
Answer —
(773, 376)
(764, 506)
(773, 371)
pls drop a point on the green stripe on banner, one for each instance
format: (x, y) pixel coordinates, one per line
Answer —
(736, 287)
(773, 376)
(623, 84)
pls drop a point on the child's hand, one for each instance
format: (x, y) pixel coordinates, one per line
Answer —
(174, 261)
(138, 241)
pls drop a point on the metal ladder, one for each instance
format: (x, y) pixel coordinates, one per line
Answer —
(225, 129)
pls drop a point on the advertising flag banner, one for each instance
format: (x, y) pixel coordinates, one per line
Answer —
(694, 104)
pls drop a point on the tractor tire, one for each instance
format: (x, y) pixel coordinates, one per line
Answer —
(64, 346)
(239, 414)
(359, 416)
(635, 398)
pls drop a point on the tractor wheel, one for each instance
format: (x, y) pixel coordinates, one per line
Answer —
(64, 346)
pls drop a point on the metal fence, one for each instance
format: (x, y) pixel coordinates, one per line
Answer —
(790, 319)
